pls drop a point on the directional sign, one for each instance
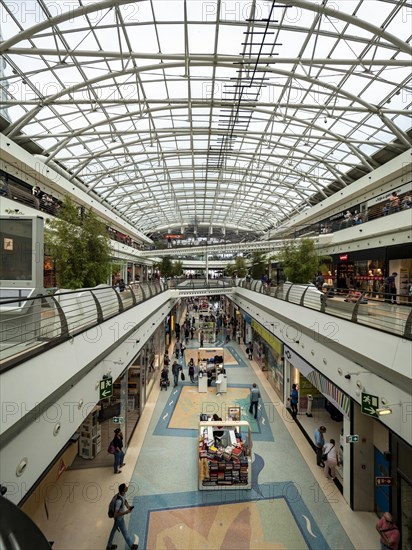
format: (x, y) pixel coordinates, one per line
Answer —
(381, 480)
(369, 404)
(106, 388)
(118, 420)
(352, 438)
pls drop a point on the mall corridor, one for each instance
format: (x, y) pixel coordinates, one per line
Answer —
(291, 504)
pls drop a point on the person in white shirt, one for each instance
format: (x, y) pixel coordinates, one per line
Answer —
(331, 459)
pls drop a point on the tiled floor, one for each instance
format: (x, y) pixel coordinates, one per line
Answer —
(290, 505)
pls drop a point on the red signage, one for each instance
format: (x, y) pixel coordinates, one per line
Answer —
(175, 236)
(62, 468)
(383, 481)
(343, 257)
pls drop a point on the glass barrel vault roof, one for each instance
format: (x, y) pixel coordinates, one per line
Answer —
(208, 114)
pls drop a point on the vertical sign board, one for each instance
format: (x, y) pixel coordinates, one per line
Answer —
(106, 388)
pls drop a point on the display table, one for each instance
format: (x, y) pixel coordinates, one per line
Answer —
(225, 455)
(210, 365)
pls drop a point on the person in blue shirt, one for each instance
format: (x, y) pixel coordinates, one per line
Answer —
(294, 400)
(319, 443)
(254, 400)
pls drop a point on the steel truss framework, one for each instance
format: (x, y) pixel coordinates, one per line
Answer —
(212, 116)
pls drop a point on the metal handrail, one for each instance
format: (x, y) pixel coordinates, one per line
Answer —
(388, 313)
(62, 315)
(50, 319)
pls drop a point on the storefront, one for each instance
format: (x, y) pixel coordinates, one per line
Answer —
(268, 352)
(124, 407)
(366, 270)
(321, 403)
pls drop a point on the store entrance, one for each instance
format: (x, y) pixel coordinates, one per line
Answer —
(314, 410)
(344, 276)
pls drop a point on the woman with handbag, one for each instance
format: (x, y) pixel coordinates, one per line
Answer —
(330, 459)
(118, 451)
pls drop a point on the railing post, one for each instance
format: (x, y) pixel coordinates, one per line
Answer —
(408, 327)
(98, 308)
(63, 321)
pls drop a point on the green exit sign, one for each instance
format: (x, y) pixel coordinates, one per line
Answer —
(118, 420)
(106, 388)
(352, 438)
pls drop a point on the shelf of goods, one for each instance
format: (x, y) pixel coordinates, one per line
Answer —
(225, 455)
(90, 442)
(209, 331)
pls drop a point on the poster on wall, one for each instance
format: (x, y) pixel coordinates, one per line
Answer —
(333, 394)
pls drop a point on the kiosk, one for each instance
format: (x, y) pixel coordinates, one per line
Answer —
(211, 369)
(225, 455)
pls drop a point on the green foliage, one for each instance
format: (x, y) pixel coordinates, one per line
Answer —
(300, 261)
(79, 246)
(259, 264)
(177, 268)
(239, 267)
(165, 267)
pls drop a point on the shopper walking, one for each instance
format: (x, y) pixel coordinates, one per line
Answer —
(121, 508)
(388, 531)
(178, 348)
(319, 443)
(191, 367)
(331, 460)
(176, 368)
(118, 450)
(294, 400)
(254, 400)
(201, 338)
(250, 350)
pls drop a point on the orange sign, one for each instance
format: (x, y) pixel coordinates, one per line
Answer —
(175, 236)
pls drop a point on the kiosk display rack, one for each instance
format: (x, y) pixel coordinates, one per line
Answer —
(90, 443)
(225, 453)
(209, 331)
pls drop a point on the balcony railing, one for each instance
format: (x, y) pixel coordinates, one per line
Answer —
(30, 326)
(390, 313)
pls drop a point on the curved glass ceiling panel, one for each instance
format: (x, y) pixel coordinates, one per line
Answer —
(180, 114)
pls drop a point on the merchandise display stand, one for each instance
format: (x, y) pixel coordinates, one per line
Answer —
(90, 435)
(210, 367)
(209, 330)
(225, 455)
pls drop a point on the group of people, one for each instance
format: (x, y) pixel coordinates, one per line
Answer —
(326, 453)
(395, 204)
(327, 457)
